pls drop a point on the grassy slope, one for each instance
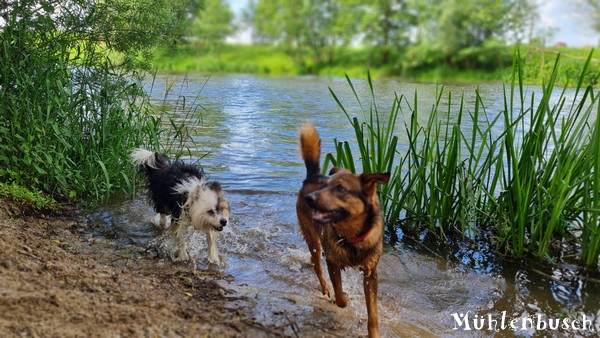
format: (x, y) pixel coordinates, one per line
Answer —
(270, 60)
(227, 59)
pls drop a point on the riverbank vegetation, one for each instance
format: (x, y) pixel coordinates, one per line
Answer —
(524, 179)
(70, 111)
(267, 60)
(422, 40)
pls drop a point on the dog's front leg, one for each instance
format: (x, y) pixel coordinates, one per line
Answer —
(163, 220)
(315, 257)
(370, 287)
(213, 254)
(160, 221)
(335, 274)
(314, 247)
(178, 232)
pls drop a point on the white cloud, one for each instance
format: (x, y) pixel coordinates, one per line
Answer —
(569, 18)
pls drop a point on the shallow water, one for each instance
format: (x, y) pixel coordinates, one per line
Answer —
(249, 131)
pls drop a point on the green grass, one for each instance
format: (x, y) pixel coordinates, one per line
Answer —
(491, 63)
(530, 187)
(377, 146)
(66, 130)
(26, 198)
(535, 68)
(274, 61)
(263, 60)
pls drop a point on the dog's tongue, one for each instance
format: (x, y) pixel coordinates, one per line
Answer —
(321, 216)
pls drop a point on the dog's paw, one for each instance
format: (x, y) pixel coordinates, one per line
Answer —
(341, 300)
(214, 260)
(328, 297)
(180, 256)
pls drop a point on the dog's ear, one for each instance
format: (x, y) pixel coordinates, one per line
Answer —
(161, 160)
(336, 170)
(223, 204)
(214, 186)
(369, 181)
(196, 193)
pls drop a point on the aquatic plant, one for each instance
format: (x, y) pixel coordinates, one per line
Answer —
(377, 144)
(530, 189)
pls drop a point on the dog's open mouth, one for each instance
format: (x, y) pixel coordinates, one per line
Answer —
(322, 216)
(218, 227)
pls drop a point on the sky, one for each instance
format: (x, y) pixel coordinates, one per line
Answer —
(573, 28)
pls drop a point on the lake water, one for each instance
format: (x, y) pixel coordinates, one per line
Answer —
(248, 132)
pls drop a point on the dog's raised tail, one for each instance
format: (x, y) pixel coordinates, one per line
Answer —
(148, 160)
(310, 148)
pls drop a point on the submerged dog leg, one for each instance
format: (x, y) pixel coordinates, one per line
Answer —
(213, 254)
(370, 287)
(335, 274)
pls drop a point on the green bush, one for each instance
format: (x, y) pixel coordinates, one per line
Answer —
(71, 109)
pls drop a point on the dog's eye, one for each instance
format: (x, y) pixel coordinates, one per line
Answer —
(340, 188)
(210, 213)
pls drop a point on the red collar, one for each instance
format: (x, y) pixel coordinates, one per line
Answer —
(360, 238)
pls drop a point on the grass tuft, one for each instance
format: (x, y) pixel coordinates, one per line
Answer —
(28, 199)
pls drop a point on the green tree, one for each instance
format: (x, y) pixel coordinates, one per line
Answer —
(133, 27)
(280, 22)
(214, 22)
(454, 25)
(329, 26)
(386, 25)
(592, 10)
(318, 27)
(519, 24)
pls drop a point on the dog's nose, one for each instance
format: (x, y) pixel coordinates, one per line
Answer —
(223, 222)
(310, 199)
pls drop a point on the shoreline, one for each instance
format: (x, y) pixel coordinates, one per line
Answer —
(59, 279)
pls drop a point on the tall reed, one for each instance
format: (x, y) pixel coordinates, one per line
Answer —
(530, 189)
(377, 144)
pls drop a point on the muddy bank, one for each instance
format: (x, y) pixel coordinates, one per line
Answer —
(59, 279)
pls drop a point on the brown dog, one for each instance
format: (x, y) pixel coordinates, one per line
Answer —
(342, 214)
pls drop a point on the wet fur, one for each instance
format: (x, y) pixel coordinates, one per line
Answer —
(180, 191)
(341, 214)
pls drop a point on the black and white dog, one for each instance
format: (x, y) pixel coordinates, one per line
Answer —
(183, 197)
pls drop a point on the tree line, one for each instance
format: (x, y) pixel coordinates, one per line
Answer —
(408, 34)
(444, 28)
